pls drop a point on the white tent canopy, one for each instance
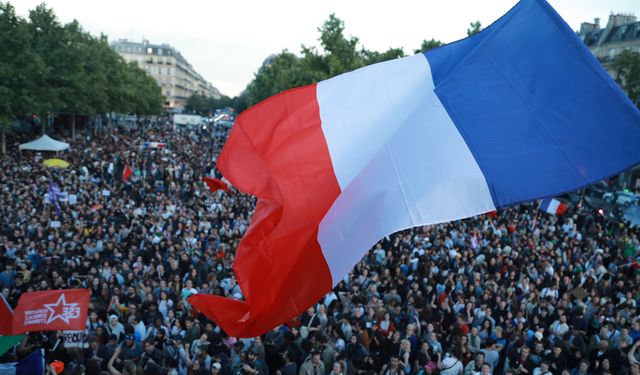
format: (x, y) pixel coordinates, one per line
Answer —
(45, 143)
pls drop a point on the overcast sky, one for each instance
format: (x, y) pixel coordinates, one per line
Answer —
(227, 41)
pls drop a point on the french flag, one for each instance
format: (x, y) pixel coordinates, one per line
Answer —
(515, 113)
(553, 206)
(154, 145)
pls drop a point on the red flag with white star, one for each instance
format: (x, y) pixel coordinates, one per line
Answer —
(55, 310)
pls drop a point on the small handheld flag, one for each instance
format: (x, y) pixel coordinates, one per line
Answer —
(215, 184)
(54, 194)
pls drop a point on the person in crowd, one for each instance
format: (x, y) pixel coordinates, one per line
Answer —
(520, 290)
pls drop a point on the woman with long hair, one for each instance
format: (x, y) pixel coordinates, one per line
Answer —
(96, 288)
(404, 354)
(386, 325)
(485, 331)
(164, 303)
(463, 344)
(338, 368)
(176, 286)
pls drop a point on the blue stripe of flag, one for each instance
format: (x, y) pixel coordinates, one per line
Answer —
(539, 113)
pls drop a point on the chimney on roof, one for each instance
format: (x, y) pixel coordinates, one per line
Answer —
(596, 21)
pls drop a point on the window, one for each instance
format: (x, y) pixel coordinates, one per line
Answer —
(159, 60)
(149, 50)
(612, 53)
(627, 48)
(159, 51)
(128, 48)
(639, 49)
(168, 71)
(159, 82)
(139, 60)
(139, 49)
(168, 92)
(159, 70)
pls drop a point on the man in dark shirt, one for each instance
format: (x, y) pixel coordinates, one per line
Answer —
(150, 354)
(97, 352)
(289, 367)
(311, 320)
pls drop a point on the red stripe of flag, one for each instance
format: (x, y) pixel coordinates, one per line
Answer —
(279, 264)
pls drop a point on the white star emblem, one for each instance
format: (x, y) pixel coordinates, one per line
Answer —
(69, 310)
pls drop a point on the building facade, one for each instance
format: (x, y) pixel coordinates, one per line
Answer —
(621, 33)
(170, 69)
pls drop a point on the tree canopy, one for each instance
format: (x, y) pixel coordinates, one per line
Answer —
(627, 68)
(46, 66)
(337, 54)
(476, 27)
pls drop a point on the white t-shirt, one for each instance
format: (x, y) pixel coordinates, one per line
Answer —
(452, 366)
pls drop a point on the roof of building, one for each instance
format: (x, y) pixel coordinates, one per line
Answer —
(620, 33)
(167, 50)
(592, 37)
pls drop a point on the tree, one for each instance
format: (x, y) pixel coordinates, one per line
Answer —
(627, 67)
(427, 45)
(197, 102)
(283, 74)
(374, 57)
(146, 96)
(476, 27)
(339, 55)
(21, 71)
(241, 102)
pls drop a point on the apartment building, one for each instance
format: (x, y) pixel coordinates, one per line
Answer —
(171, 70)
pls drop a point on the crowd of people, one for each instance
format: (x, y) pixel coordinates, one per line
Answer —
(514, 292)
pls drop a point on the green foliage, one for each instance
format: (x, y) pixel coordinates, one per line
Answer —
(373, 57)
(339, 55)
(627, 66)
(476, 27)
(241, 102)
(21, 71)
(197, 102)
(285, 73)
(49, 67)
(427, 45)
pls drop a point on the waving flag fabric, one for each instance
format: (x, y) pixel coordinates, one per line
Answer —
(6, 318)
(154, 145)
(33, 364)
(54, 195)
(126, 174)
(56, 310)
(215, 184)
(517, 112)
(553, 206)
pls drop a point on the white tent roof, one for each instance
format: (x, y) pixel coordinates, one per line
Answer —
(45, 143)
